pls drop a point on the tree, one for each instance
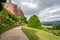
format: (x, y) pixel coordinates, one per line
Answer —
(34, 22)
(24, 19)
(56, 26)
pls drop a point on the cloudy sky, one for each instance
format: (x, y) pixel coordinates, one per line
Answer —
(46, 10)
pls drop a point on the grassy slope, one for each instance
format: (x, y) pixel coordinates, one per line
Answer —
(35, 34)
(56, 32)
(50, 30)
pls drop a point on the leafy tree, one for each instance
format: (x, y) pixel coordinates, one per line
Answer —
(34, 22)
(24, 19)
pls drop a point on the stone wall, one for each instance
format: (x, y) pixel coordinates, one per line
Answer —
(10, 7)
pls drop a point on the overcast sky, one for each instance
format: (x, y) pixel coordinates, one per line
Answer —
(46, 10)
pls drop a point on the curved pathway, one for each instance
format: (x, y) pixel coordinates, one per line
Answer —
(14, 34)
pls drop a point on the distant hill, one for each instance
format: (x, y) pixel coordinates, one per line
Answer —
(52, 22)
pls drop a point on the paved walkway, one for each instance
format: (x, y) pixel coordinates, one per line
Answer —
(14, 34)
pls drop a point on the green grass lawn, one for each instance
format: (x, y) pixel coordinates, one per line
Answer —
(36, 34)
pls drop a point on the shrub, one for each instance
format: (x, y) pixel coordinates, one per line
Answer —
(1, 25)
(9, 21)
(14, 17)
(34, 22)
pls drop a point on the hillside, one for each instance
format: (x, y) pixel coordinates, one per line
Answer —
(36, 34)
(52, 22)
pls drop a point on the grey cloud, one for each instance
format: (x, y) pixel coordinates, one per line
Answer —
(47, 16)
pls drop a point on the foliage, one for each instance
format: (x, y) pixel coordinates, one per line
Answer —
(9, 21)
(1, 25)
(56, 26)
(34, 22)
(14, 17)
(24, 19)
